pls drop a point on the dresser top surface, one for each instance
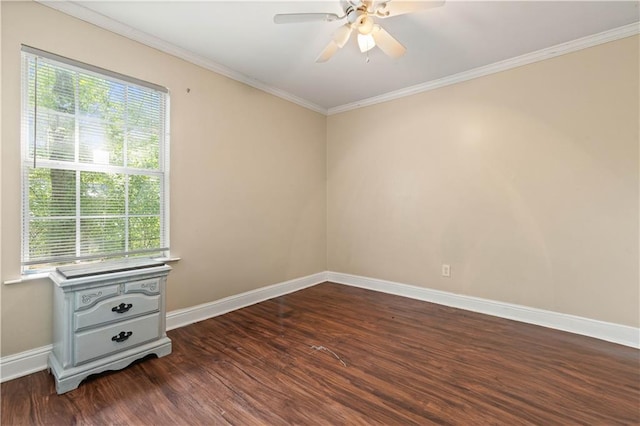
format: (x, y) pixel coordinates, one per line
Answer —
(106, 273)
(107, 267)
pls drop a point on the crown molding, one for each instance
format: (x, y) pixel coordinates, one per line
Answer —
(102, 21)
(88, 15)
(529, 58)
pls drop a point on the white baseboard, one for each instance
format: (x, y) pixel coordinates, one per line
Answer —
(31, 361)
(24, 363)
(616, 333)
(183, 317)
(34, 360)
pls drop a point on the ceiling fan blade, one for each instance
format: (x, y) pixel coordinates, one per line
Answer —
(294, 18)
(342, 34)
(392, 8)
(387, 43)
(328, 52)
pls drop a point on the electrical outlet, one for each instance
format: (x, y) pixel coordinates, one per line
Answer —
(446, 270)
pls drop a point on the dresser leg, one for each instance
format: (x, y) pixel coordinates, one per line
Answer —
(66, 385)
(68, 379)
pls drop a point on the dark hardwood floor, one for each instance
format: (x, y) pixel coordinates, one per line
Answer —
(386, 360)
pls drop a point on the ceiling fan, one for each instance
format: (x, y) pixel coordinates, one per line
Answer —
(360, 15)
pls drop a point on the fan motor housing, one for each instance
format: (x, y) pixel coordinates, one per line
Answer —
(356, 16)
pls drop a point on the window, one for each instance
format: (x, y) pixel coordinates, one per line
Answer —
(94, 164)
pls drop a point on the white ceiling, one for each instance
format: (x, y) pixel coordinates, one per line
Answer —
(240, 38)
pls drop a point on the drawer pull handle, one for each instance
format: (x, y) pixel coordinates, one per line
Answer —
(124, 335)
(122, 308)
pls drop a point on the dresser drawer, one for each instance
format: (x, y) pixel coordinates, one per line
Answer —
(104, 341)
(86, 298)
(151, 286)
(116, 309)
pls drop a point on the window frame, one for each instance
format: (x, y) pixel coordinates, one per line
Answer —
(162, 172)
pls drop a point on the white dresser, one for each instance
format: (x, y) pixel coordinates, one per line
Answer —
(106, 316)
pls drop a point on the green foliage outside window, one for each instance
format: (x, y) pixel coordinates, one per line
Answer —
(96, 189)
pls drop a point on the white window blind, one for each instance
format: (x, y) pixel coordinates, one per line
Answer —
(94, 163)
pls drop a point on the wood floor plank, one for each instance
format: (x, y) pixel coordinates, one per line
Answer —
(333, 354)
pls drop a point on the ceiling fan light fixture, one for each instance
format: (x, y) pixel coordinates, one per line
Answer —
(366, 42)
(366, 25)
(360, 15)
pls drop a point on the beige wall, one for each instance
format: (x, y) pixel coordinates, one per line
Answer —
(525, 181)
(248, 190)
(0, 176)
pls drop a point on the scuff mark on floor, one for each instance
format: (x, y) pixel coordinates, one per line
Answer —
(322, 348)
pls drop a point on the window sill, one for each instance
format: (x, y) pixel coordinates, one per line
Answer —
(30, 277)
(167, 259)
(39, 276)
